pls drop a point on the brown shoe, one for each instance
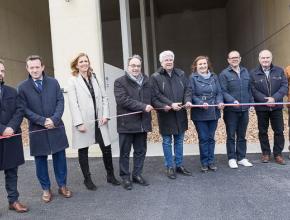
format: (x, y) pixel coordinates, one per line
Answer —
(279, 160)
(18, 207)
(46, 196)
(265, 158)
(65, 192)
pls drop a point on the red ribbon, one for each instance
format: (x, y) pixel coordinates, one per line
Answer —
(138, 112)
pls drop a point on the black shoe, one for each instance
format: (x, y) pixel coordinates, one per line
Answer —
(112, 179)
(212, 167)
(127, 184)
(89, 184)
(140, 180)
(183, 171)
(171, 173)
(204, 169)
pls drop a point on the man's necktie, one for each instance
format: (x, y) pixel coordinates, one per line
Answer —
(39, 84)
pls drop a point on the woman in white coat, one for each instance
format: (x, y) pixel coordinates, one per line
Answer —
(88, 104)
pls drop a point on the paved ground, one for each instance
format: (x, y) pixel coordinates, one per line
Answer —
(261, 192)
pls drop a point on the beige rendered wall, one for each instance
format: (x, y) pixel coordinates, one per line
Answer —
(75, 28)
(254, 25)
(25, 30)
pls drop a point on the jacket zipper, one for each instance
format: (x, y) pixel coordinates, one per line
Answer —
(269, 88)
(181, 84)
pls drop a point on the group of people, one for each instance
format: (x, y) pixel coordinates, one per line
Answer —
(169, 91)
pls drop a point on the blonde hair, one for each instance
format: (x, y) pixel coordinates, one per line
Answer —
(74, 63)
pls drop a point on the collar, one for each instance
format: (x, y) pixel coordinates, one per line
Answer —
(176, 71)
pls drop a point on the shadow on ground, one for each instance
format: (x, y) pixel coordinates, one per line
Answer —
(260, 192)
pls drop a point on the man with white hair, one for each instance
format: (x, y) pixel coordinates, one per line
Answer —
(171, 91)
(269, 84)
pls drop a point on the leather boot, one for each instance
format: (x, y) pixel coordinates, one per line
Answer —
(84, 164)
(107, 159)
(89, 183)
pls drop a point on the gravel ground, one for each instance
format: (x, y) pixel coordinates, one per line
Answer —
(191, 135)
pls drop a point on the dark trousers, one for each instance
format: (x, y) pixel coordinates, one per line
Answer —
(59, 166)
(277, 124)
(206, 131)
(107, 156)
(236, 127)
(11, 184)
(139, 142)
(289, 125)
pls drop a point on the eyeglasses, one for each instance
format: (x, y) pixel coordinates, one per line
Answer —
(135, 66)
(234, 58)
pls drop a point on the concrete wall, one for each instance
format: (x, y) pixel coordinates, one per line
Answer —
(112, 42)
(257, 24)
(194, 33)
(25, 30)
(188, 34)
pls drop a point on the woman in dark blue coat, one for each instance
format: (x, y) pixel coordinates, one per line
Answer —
(206, 91)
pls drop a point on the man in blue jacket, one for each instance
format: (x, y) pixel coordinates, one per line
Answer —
(11, 149)
(235, 84)
(269, 84)
(43, 102)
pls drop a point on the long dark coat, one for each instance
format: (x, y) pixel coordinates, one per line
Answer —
(131, 97)
(11, 115)
(168, 90)
(41, 105)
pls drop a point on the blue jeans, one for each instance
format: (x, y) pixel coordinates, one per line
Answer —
(59, 166)
(178, 149)
(236, 127)
(206, 131)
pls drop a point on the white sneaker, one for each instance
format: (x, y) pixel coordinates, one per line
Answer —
(245, 162)
(233, 164)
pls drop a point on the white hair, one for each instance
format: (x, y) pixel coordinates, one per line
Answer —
(263, 51)
(167, 53)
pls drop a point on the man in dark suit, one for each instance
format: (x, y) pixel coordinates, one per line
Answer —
(43, 103)
(11, 149)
